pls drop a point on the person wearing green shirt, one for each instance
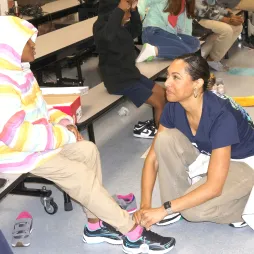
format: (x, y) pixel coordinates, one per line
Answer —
(167, 29)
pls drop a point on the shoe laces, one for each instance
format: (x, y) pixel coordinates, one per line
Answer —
(150, 235)
(109, 227)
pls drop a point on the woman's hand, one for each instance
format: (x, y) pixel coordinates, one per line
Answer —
(151, 216)
(138, 214)
(74, 130)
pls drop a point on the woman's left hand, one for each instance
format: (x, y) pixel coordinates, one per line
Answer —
(152, 216)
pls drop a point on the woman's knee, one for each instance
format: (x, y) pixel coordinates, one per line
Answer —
(193, 215)
(167, 137)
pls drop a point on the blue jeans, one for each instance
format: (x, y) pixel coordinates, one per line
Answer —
(170, 45)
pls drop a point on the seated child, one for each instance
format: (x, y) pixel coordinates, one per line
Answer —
(117, 25)
(48, 144)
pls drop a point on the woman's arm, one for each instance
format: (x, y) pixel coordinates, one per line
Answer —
(217, 174)
(216, 177)
(149, 174)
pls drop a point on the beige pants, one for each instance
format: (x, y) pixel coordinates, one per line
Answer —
(246, 5)
(217, 46)
(175, 153)
(77, 171)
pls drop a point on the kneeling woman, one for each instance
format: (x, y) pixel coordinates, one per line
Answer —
(197, 124)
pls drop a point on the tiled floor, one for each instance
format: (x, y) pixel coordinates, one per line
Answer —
(122, 165)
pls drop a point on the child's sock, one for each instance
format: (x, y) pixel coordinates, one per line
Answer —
(135, 234)
(147, 53)
(93, 226)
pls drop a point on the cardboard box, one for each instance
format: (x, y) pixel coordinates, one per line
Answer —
(66, 99)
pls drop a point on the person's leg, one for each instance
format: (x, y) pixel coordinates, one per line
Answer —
(191, 41)
(228, 207)
(246, 5)
(227, 35)
(158, 101)
(143, 91)
(172, 45)
(166, 45)
(207, 47)
(174, 153)
(77, 171)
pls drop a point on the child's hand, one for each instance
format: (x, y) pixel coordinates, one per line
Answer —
(134, 4)
(124, 5)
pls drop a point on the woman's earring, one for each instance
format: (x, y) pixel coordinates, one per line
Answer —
(195, 93)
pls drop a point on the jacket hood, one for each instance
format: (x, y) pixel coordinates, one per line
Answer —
(15, 33)
(107, 6)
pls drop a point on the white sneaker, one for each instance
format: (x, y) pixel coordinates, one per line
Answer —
(238, 224)
(169, 219)
(147, 53)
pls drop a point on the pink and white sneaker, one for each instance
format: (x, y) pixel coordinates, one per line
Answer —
(22, 229)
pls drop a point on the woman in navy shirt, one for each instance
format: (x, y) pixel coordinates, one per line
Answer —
(199, 132)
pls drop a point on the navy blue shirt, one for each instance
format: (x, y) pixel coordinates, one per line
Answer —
(223, 123)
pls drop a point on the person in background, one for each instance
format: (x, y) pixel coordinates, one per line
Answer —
(167, 29)
(245, 5)
(225, 26)
(204, 168)
(48, 144)
(117, 25)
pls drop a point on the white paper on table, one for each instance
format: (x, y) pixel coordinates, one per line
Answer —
(248, 213)
(65, 90)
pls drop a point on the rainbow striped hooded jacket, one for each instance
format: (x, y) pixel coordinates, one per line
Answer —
(30, 133)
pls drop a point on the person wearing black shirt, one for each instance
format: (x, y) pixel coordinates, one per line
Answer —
(117, 25)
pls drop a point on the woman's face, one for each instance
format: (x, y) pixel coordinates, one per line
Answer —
(28, 52)
(179, 84)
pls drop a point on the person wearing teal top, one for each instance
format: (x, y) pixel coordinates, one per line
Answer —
(167, 28)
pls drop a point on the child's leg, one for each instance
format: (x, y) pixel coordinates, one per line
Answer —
(166, 45)
(158, 101)
(143, 91)
(77, 171)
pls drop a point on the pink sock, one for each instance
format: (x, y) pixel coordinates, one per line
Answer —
(135, 233)
(93, 226)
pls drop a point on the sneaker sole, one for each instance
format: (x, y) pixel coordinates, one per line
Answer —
(139, 250)
(91, 240)
(242, 226)
(132, 211)
(20, 244)
(177, 218)
(140, 136)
